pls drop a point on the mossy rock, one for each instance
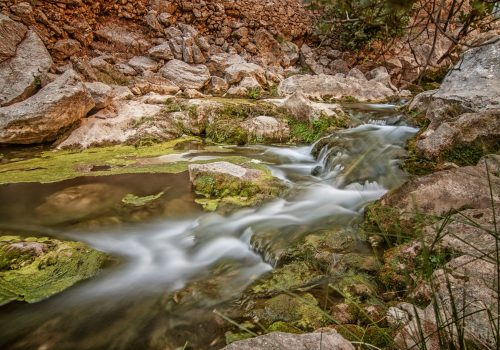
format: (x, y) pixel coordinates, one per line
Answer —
(284, 327)
(32, 269)
(287, 278)
(300, 311)
(231, 185)
(356, 286)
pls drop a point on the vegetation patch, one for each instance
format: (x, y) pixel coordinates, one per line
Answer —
(32, 269)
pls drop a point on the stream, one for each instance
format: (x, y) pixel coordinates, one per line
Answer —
(179, 252)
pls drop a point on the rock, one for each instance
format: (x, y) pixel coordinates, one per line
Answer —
(267, 129)
(435, 194)
(467, 130)
(308, 59)
(36, 268)
(65, 48)
(79, 202)
(249, 83)
(463, 117)
(186, 76)
(122, 39)
(236, 72)
(234, 185)
(161, 52)
(150, 82)
(143, 63)
(302, 108)
(122, 92)
(356, 74)
(12, 33)
(339, 66)
(218, 85)
(381, 75)
(328, 340)
(125, 69)
(40, 118)
(337, 87)
(20, 74)
(472, 283)
(219, 62)
(290, 53)
(131, 122)
(192, 93)
(269, 49)
(101, 93)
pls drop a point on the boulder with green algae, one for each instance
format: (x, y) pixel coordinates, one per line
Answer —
(233, 185)
(287, 278)
(32, 269)
(299, 311)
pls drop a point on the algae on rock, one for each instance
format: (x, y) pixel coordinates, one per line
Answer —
(32, 269)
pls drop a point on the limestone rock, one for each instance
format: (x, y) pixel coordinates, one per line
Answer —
(229, 184)
(338, 87)
(236, 72)
(440, 192)
(65, 48)
(143, 63)
(302, 108)
(267, 129)
(40, 118)
(122, 39)
(219, 62)
(218, 85)
(186, 76)
(131, 122)
(101, 93)
(329, 340)
(12, 33)
(19, 75)
(162, 52)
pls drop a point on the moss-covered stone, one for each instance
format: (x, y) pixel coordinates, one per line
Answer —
(299, 311)
(32, 269)
(281, 326)
(286, 278)
(230, 185)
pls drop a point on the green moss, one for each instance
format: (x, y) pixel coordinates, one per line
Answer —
(56, 166)
(35, 268)
(284, 327)
(136, 201)
(286, 278)
(232, 337)
(471, 153)
(308, 132)
(299, 311)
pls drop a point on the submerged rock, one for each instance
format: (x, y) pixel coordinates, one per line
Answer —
(231, 184)
(42, 117)
(330, 340)
(32, 269)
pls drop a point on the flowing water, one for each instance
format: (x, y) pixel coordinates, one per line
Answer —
(174, 264)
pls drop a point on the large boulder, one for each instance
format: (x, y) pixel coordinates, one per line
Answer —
(101, 93)
(20, 74)
(12, 33)
(33, 269)
(465, 110)
(41, 117)
(336, 87)
(237, 72)
(123, 39)
(330, 340)
(186, 76)
(129, 123)
(302, 108)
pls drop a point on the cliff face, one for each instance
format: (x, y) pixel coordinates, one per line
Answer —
(70, 27)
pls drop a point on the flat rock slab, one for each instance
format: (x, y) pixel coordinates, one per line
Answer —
(336, 87)
(278, 340)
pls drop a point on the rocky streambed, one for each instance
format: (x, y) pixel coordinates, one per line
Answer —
(285, 220)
